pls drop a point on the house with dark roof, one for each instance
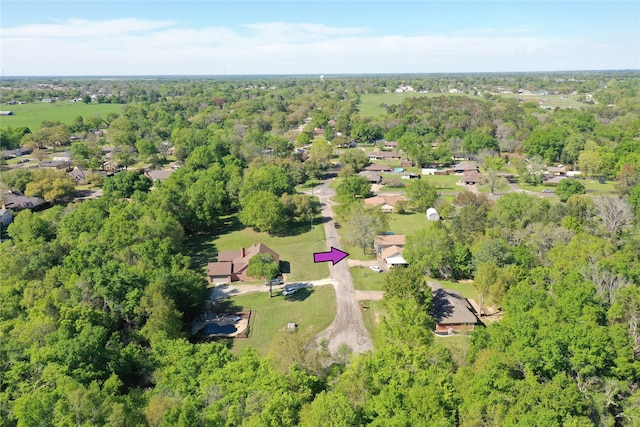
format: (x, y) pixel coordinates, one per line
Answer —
(371, 176)
(159, 175)
(78, 175)
(232, 266)
(17, 201)
(451, 311)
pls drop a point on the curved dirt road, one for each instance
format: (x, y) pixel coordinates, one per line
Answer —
(347, 327)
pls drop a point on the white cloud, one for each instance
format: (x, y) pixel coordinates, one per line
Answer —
(133, 46)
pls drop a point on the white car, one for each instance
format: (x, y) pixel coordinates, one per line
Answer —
(376, 268)
(289, 291)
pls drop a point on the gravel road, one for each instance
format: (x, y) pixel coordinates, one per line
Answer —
(347, 327)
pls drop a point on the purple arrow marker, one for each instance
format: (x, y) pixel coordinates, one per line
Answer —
(334, 255)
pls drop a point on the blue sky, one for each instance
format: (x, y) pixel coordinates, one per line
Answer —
(315, 37)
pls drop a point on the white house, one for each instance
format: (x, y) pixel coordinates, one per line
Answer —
(393, 256)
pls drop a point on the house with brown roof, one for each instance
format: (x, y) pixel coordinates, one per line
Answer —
(232, 266)
(393, 256)
(464, 167)
(386, 202)
(374, 167)
(384, 241)
(471, 177)
(451, 311)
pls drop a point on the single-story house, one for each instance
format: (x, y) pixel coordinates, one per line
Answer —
(387, 203)
(78, 175)
(406, 163)
(554, 180)
(232, 266)
(464, 167)
(384, 241)
(393, 256)
(471, 177)
(159, 175)
(371, 176)
(377, 168)
(391, 144)
(556, 171)
(385, 155)
(16, 201)
(57, 164)
(429, 171)
(5, 217)
(451, 311)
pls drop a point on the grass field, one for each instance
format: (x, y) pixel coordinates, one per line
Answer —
(311, 309)
(553, 101)
(458, 346)
(33, 114)
(370, 102)
(466, 289)
(365, 279)
(296, 250)
(408, 223)
(372, 314)
(444, 183)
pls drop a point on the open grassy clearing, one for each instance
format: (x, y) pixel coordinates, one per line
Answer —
(408, 223)
(356, 252)
(296, 250)
(370, 102)
(372, 314)
(458, 346)
(444, 183)
(311, 309)
(553, 101)
(465, 288)
(365, 279)
(33, 114)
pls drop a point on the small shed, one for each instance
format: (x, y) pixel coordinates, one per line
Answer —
(432, 214)
(291, 327)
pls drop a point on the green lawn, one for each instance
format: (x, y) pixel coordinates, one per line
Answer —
(311, 309)
(408, 223)
(458, 346)
(370, 102)
(466, 289)
(365, 279)
(372, 314)
(33, 114)
(296, 250)
(356, 253)
(594, 187)
(444, 183)
(553, 101)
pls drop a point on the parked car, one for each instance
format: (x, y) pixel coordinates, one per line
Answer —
(336, 224)
(376, 268)
(289, 290)
(547, 191)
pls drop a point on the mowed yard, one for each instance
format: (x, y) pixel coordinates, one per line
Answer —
(296, 251)
(312, 309)
(33, 114)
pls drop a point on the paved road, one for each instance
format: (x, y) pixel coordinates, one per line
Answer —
(347, 327)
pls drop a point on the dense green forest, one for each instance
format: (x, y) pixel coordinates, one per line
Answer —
(96, 296)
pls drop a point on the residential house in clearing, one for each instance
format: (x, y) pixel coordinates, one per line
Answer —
(387, 203)
(451, 311)
(232, 266)
(392, 256)
(471, 177)
(371, 176)
(159, 175)
(384, 241)
(78, 175)
(463, 167)
(374, 167)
